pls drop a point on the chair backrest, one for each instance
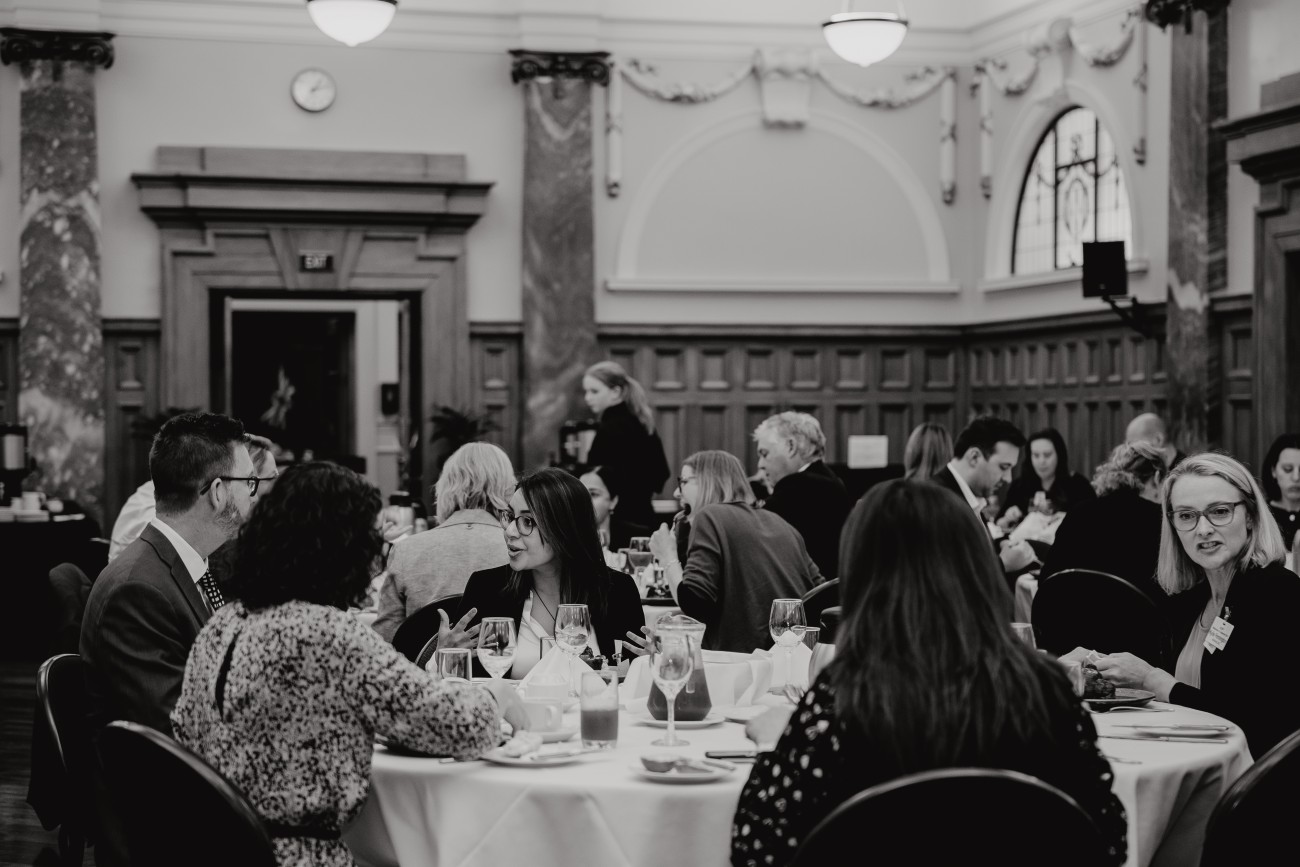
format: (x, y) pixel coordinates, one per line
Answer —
(830, 621)
(1103, 612)
(62, 753)
(986, 816)
(416, 631)
(69, 590)
(1253, 821)
(174, 807)
(818, 599)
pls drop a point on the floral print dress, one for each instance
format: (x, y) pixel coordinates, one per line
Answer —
(286, 702)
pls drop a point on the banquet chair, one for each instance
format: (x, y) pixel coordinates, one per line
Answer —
(174, 807)
(61, 756)
(818, 599)
(69, 590)
(417, 630)
(1099, 611)
(977, 816)
(830, 622)
(1252, 823)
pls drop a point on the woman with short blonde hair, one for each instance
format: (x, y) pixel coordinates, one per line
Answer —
(1233, 605)
(473, 489)
(739, 557)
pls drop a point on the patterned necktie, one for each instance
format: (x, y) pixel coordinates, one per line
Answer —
(211, 591)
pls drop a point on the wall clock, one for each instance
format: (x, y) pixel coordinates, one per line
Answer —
(313, 90)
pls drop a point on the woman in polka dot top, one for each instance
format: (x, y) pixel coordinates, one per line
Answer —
(926, 675)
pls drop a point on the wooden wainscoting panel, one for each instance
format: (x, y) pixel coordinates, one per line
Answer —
(132, 389)
(496, 375)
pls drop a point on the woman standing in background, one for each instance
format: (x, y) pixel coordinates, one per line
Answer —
(626, 444)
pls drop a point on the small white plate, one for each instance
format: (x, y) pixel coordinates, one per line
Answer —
(1181, 731)
(497, 757)
(746, 713)
(556, 737)
(710, 719)
(678, 777)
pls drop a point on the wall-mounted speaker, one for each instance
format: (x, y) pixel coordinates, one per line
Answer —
(390, 398)
(1105, 272)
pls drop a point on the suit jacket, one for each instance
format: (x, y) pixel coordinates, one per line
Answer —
(816, 504)
(622, 613)
(142, 617)
(1247, 680)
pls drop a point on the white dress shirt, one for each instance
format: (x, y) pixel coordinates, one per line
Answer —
(137, 512)
(976, 503)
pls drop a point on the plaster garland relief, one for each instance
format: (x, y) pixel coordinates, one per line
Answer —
(785, 78)
(1063, 39)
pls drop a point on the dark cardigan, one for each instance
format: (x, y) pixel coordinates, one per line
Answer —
(634, 458)
(487, 591)
(1248, 681)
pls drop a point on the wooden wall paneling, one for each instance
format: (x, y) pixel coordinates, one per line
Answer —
(132, 389)
(1234, 358)
(9, 371)
(496, 376)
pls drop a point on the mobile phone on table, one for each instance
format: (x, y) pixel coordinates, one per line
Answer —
(733, 755)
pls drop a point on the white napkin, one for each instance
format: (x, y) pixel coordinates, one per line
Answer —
(1037, 526)
(734, 679)
(796, 672)
(556, 665)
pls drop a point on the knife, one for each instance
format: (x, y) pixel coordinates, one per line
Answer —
(546, 757)
(1220, 728)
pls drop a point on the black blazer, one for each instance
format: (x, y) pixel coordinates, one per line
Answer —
(486, 591)
(816, 504)
(1118, 533)
(635, 460)
(1247, 681)
(142, 617)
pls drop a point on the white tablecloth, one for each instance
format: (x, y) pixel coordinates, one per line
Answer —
(597, 811)
(1026, 587)
(424, 813)
(1169, 796)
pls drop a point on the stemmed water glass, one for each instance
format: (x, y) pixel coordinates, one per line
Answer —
(787, 624)
(572, 627)
(671, 665)
(496, 645)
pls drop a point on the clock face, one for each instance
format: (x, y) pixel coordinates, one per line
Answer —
(313, 90)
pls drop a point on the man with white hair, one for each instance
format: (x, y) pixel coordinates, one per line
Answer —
(1150, 428)
(805, 492)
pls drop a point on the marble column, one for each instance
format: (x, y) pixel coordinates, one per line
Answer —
(559, 277)
(60, 341)
(1197, 222)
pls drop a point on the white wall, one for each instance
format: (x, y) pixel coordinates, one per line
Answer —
(1261, 48)
(853, 197)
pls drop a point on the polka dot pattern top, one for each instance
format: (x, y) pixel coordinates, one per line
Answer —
(818, 764)
(286, 702)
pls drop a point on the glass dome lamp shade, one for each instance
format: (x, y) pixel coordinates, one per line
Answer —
(865, 38)
(352, 22)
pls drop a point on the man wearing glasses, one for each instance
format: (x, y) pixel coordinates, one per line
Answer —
(149, 604)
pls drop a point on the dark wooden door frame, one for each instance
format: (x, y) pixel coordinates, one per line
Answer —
(236, 221)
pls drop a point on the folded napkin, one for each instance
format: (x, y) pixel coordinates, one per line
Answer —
(734, 679)
(557, 666)
(1037, 527)
(795, 672)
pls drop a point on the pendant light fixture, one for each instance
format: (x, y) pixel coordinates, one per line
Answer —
(865, 38)
(352, 22)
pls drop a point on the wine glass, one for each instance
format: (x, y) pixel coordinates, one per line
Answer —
(787, 624)
(496, 645)
(671, 665)
(572, 627)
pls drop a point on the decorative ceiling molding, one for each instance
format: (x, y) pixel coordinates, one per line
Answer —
(784, 76)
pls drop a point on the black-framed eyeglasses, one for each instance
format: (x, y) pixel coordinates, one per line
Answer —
(253, 482)
(524, 524)
(1218, 514)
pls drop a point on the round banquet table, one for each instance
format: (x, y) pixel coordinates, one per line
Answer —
(594, 811)
(429, 813)
(1170, 794)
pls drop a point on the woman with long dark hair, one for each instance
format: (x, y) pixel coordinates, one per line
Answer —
(1044, 469)
(1281, 478)
(926, 675)
(285, 691)
(626, 443)
(555, 558)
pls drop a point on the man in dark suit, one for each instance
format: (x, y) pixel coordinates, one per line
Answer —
(984, 455)
(805, 491)
(1150, 428)
(149, 604)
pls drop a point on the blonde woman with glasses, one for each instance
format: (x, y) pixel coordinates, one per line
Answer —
(474, 487)
(1234, 603)
(739, 559)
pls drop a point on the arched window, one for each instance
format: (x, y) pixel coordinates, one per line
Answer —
(1073, 192)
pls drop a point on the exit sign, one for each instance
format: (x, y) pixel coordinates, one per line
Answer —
(315, 262)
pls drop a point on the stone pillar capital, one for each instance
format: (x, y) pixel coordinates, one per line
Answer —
(591, 66)
(18, 45)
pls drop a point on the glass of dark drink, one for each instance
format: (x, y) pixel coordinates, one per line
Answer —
(598, 695)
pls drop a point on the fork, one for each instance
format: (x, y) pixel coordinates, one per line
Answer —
(1111, 758)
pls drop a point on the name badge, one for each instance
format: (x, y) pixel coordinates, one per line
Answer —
(1220, 632)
